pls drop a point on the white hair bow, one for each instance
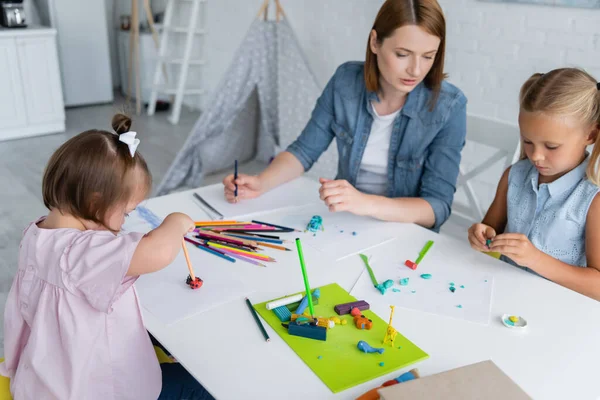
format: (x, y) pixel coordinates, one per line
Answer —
(129, 139)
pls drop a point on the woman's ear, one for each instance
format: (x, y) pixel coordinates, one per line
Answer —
(373, 42)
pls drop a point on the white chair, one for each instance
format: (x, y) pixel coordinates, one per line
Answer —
(505, 139)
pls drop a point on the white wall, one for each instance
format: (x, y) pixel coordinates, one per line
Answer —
(492, 48)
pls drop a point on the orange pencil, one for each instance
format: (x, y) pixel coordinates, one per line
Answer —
(217, 223)
(189, 263)
(273, 246)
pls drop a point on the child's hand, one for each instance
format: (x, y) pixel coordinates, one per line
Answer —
(187, 224)
(518, 248)
(478, 236)
(339, 195)
(249, 187)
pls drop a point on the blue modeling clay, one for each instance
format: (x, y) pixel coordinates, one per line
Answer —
(367, 348)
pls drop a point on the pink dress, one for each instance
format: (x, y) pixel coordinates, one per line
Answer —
(73, 327)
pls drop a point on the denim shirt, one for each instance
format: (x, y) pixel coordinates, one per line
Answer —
(425, 146)
(552, 215)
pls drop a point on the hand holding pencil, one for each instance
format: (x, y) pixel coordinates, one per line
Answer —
(248, 187)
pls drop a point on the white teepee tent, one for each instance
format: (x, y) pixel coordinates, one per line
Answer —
(262, 103)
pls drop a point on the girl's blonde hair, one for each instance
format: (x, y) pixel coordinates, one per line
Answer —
(93, 172)
(566, 92)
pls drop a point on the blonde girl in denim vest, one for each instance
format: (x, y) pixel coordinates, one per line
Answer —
(546, 214)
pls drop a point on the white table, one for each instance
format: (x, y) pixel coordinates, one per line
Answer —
(556, 358)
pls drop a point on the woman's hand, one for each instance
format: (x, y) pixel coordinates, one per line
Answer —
(479, 234)
(339, 195)
(518, 248)
(249, 187)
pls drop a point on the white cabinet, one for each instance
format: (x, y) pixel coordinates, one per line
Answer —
(12, 105)
(31, 100)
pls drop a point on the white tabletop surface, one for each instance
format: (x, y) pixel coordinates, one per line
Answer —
(557, 357)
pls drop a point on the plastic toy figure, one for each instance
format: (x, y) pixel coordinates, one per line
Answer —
(315, 224)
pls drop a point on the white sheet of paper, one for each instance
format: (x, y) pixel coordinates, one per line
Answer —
(140, 220)
(427, 295)
(337, 240)
(166, 295)
(276, 199)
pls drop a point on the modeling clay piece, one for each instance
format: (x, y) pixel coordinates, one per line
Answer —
(452, 289)
(404, 281)
(407, 376)
(301, 319)
(355, 312)
(426, 276)
(488, 242)
(383, 287)
(304, 303)
(345, 308)
(363, 322)
(367, 348)
(195, 283)
(315, 224)
(309, 330)
(513, 321)
(424, 250)
(381, 364)
(396, 290)
(390, 333)
(353, 233)
(459, 306)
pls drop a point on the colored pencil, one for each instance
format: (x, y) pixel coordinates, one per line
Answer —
(257, 239)
(212, 235)
(277, 226)
(274, 246)
(219, 223)
(255, 315)
(265, 236)
(209, 250)
(235, 176)
(187, 260)
(251, 230)
(242, 252)
(211, 208)
(242, 258)
(305, 277)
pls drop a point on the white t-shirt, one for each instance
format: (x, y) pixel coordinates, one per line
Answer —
(372, 175)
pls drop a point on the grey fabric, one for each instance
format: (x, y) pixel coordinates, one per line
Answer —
(262, 103)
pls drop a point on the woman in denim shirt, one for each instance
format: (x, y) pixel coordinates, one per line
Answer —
(399, 127)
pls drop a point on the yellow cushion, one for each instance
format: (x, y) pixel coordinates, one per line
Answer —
(4, 387)
(163, 358)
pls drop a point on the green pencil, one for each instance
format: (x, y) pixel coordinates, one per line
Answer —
(424, 251)
(306, 285)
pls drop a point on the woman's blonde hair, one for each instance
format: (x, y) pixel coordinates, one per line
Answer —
(566, 92)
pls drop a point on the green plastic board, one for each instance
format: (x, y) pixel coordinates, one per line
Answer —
(337, 361)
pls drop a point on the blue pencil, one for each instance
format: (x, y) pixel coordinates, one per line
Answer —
(235, 176)
(257, 239)
(209, 250)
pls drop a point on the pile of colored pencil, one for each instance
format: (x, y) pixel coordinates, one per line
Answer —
(233, 240)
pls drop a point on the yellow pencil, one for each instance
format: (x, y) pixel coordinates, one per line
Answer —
(221, 246)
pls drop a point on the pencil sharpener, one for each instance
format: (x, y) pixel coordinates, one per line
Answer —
(194, 284)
